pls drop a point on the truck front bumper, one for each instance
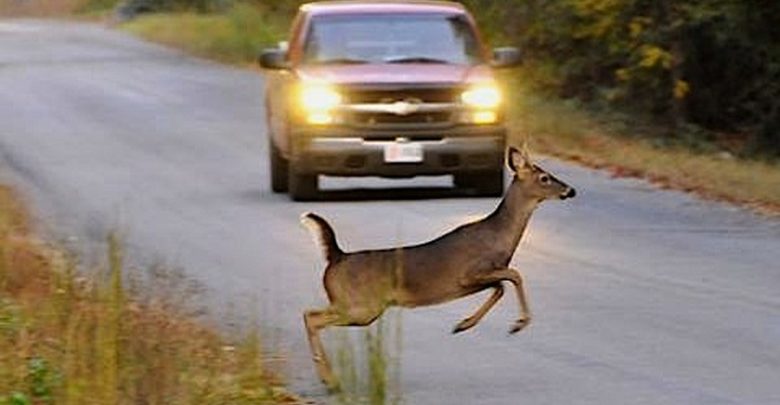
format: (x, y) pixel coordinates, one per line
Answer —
(346, 153)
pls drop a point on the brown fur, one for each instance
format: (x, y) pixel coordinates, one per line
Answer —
(471, 258)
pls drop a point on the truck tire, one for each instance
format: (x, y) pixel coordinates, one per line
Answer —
(488, 184)
(279, 169)
(302, 187)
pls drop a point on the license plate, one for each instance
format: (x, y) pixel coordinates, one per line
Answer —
(403, 152)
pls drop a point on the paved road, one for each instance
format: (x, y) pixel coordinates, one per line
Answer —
(640, 296)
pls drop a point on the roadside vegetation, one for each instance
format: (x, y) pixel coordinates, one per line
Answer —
(629, 148)
(232, 36)
(674, 92)
(39, 8)
(368, 362)
(112, 336)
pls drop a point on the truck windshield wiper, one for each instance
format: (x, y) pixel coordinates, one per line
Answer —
(416, 59)
(341, 61)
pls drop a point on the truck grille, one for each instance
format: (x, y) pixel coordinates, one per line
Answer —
(373, 119)
(424, 97)
(388, 95)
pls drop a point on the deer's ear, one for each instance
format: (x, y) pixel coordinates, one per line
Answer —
(517, 160)
(525, 154)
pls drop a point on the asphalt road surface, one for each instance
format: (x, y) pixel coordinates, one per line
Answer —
(640, 296)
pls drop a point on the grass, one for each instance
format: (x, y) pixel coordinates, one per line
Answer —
(554, 126)
(234, 36)
(570, 132)
(39, 8)
(368, 362)
(110, 337)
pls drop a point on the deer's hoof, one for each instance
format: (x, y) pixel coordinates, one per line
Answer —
(519, 325)
(463, 325)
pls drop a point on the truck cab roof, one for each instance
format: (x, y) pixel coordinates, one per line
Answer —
(390, 6)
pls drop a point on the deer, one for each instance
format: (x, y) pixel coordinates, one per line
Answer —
(471, 258)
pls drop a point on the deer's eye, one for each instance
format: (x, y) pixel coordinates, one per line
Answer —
(544, 179)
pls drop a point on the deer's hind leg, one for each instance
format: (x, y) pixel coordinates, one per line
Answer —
(471, 321)
(318, 319)
(315, 320)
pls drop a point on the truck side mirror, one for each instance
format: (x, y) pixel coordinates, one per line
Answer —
(506, 57)
(273, 58)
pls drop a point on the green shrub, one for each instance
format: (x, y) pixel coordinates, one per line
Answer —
(715, 64)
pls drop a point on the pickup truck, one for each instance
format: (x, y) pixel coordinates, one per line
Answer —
(393, 89)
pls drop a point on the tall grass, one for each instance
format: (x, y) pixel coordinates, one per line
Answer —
(39, 8)
(234, 36)
(70, 338)
(368, 362)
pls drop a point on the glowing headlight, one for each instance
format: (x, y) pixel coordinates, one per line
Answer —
(319, 98)
(483, 97)
(479, 117)
(485, 117)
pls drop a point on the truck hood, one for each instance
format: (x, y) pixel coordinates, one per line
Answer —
(395, 74)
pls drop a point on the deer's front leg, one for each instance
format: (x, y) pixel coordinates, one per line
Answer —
(514, 277)
(468, 323)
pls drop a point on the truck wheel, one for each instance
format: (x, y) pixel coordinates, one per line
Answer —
(302, 187)
(279, 169)
(489, 184)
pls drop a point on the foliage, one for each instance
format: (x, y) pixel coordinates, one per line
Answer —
(203, 6)
(97, 5)
(712, 63)
(234, 35)
(177, 5)
(40, 8)
(599, 140)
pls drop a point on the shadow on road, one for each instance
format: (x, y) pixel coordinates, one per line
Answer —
(396, 193)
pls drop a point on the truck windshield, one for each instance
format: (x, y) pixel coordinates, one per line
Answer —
(391, 38)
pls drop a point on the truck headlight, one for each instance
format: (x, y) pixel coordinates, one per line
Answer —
(479, 117)
(484, 117)
(317, 101)
(483, 97)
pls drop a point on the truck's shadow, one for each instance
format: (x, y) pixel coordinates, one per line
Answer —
(397, 193)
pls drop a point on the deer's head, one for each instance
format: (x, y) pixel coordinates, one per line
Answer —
(535, 181)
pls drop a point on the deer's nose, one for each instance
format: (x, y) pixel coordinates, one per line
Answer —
(569, 193)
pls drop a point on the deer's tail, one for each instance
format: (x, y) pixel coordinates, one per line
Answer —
(324, 234)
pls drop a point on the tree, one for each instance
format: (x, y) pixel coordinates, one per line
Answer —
(713, 63)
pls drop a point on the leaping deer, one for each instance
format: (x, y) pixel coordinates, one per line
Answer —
(468, 259)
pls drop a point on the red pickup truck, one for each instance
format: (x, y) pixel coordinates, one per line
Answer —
(392, 89)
